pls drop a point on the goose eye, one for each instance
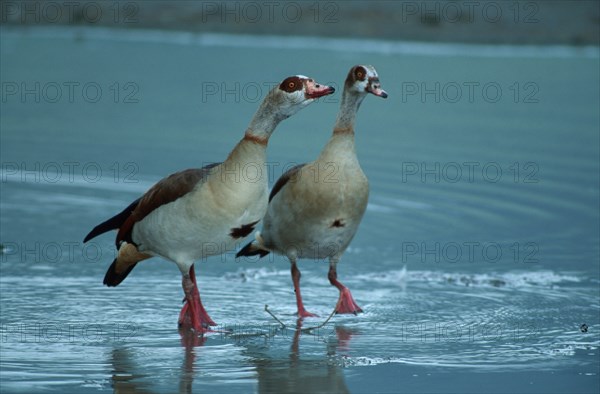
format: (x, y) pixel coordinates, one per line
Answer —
(360, 73)
(291, 84)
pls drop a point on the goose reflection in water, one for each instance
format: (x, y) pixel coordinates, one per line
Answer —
(291, 373)
(296, 374)
(126, 378)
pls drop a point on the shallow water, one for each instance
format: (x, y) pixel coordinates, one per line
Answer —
(476, 263)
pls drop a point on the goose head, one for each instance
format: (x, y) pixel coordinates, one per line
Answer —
(364, 79)
(296, 92)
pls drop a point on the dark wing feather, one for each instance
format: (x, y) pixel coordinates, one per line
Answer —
(283, 179)
(113, 223)
(113, 278)
(163, 192)
(251, 250)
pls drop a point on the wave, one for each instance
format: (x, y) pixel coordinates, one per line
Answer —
(507, 279)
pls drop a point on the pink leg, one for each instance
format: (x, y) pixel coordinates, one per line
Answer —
(203, 314)
(184, 316)
(193, 313)
(345, 303)
(302, 312)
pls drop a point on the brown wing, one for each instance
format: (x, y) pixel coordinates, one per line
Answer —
(283, 179)
(165, 191)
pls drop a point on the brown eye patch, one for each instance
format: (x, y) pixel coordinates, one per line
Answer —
(360, 73)
(291, 84)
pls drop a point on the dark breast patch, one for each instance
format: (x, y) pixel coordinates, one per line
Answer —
(243, 230)
(338, 223)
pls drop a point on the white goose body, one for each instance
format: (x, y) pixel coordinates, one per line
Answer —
(213, 217)
(318, 212)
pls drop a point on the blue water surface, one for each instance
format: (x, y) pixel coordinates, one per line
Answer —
(476, 264)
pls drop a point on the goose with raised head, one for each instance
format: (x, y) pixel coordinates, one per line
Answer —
(196, 213)
(315, 208)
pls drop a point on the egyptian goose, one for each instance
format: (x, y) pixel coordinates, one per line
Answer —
(315, 208)
(201, 212)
